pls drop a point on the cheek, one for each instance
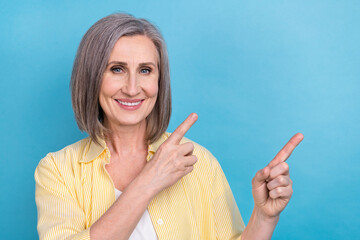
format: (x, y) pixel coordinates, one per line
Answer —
(106, 91)
(152, 89)
(102, 101)
(155, 91)
(107, 87)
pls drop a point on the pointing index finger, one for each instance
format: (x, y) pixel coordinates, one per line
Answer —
(180, 131)
(286, 151)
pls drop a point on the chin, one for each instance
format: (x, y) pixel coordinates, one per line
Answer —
(131, 121)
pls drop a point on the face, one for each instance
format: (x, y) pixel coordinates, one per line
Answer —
(129, 86)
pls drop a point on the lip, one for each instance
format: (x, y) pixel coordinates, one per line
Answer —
(133, 107)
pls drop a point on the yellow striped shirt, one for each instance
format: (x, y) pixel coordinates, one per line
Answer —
(73, 190)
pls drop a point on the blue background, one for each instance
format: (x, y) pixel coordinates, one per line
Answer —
(256, 72)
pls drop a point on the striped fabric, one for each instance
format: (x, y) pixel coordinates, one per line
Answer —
(73, 190)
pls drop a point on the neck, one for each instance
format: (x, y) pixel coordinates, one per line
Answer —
(126, 139)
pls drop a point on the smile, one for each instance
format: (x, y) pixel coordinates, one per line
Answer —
(129, 103)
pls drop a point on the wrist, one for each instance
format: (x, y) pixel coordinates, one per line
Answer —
(260, 226)
(141, 186)
(261, 217)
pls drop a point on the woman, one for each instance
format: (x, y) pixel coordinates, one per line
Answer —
(131, 179)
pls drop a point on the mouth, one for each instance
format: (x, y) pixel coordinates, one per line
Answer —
(129, 104)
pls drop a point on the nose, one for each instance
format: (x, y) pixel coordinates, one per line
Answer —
(131, 87)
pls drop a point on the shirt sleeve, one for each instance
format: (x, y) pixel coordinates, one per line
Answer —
(59, 214)
(228, 221)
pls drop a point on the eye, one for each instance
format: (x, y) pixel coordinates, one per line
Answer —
(116, 69)
(145, 71)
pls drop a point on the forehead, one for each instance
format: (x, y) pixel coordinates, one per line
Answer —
(136, 48)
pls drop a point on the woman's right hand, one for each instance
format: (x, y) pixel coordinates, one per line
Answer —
(171, 161)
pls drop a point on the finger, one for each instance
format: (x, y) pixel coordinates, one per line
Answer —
(187, 165)
(186, 149)
(180, 131)
(283, 192)
(260, 177)
(279, 181)
(180, 165)
(286, 151)
(190, 160)
(184, 172)
(280, 169)
(188, 170)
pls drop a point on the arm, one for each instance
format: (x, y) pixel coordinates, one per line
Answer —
(120, 220)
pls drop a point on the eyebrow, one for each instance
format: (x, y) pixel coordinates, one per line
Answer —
(125, 64)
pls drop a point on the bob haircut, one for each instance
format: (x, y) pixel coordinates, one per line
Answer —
(89, 66)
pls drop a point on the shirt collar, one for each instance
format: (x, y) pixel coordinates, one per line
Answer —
(94, 150)
(155, 145)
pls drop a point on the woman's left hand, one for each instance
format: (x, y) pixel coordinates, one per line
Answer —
(272, 186)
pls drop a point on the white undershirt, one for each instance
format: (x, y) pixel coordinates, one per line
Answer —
(144, 229)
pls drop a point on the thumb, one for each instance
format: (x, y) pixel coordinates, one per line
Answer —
(260, 177)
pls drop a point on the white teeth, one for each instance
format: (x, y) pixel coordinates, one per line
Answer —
(129, 103)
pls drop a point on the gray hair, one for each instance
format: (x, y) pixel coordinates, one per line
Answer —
(89, 66)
